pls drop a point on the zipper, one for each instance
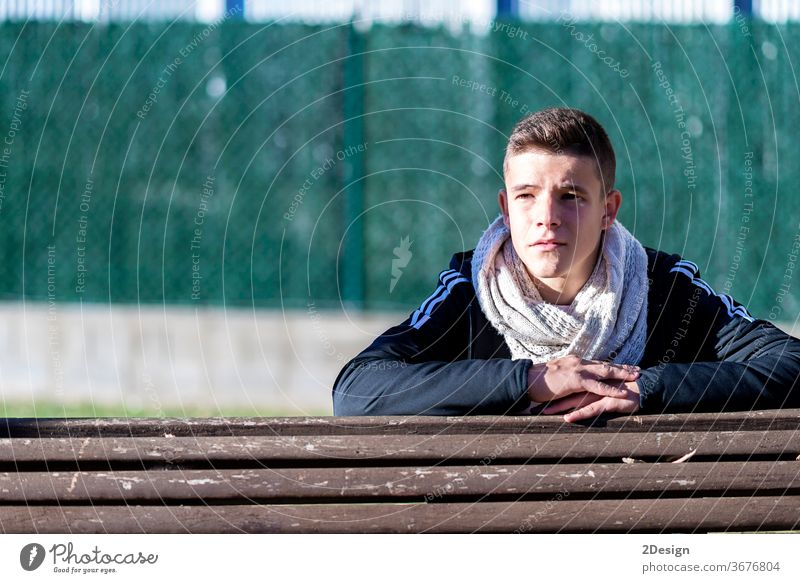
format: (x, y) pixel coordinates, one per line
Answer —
(471, 339)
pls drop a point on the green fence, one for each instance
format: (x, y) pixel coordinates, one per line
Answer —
(279, 166)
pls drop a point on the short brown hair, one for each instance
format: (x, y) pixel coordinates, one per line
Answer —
(560, 130)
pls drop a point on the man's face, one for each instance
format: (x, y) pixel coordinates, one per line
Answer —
(556, 210)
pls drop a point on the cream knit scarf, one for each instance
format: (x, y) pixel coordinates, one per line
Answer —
(606, 321)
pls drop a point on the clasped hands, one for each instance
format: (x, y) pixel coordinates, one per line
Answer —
(590, 387)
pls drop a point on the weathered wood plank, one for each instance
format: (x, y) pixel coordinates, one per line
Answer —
(386, 449)
(786, 419)
(692, 515)
(406, 483)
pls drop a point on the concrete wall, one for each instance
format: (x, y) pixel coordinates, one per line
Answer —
(154, 358)
(151, 359)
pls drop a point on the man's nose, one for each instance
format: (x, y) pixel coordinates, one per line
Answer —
(547, 212)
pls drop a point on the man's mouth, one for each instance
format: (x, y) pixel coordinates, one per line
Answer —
(547, 244)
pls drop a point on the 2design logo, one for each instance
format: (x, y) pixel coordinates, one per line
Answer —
(31, 556)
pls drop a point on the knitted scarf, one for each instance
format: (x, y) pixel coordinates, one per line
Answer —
(607, 320)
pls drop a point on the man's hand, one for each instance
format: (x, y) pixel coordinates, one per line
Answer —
(568, 375)
(588, 405)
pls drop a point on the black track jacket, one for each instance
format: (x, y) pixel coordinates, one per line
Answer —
(704, 352)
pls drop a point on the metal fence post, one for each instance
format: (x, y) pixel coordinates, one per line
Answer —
(352, 260)
(235, 8)
(744, 7)
(507, 9)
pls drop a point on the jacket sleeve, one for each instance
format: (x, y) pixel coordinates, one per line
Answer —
(720, 357)
(421, 367)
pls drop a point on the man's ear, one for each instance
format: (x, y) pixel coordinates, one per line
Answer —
(502, 200)
(613, 202)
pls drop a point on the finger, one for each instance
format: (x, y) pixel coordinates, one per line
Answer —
(604, 405)
(565, 403)
(576, 400)
(588, 412)
(605, 389)
(608, 370)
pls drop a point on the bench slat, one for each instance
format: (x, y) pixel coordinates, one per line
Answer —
(383, 449)
(682, 515)
(421, 483)
(401, 474)
(785, 419)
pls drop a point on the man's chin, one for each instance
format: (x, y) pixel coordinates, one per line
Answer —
(543, 272)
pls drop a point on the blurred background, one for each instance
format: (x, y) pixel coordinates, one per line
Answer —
(208, 206)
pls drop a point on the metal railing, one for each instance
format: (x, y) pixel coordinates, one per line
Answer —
(451, 13)
(108, 10)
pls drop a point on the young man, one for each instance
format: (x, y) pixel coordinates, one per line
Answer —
(559, 309)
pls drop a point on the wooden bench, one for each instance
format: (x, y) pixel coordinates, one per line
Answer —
(401, 474)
